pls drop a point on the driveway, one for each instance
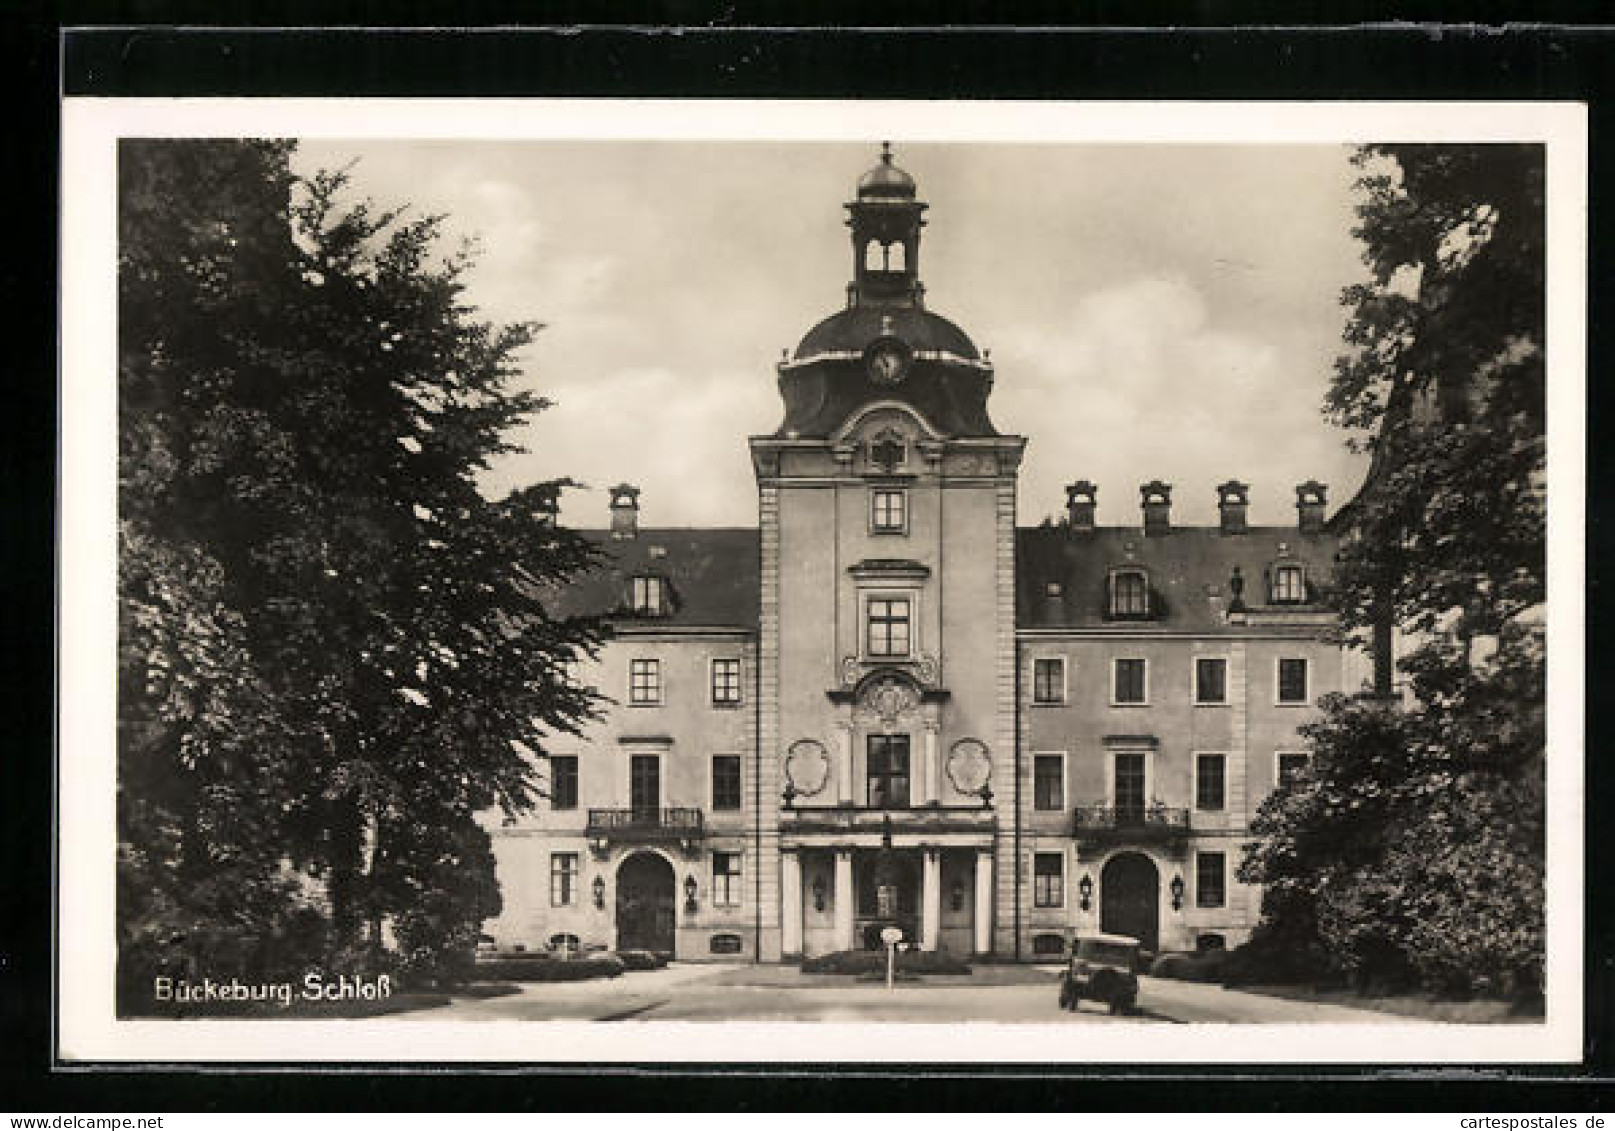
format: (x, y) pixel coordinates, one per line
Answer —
(693, 992)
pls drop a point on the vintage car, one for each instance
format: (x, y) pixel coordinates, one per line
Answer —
(1101, 969)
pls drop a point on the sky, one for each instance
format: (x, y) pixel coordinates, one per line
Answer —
(1152, 311)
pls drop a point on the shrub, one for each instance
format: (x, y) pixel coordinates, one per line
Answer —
(874, 962)
(542, 968)
(641, 959)
(1206, 966)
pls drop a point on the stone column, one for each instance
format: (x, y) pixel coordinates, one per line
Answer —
(929, 770)
(931, 900)
(790, 895)
(843, 767)
(984, 903)
(845, 899)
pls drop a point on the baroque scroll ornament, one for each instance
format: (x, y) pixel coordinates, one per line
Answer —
(968, 767)
(807, 767)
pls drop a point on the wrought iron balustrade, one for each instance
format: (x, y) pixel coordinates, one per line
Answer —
(646, 824)
(1130, 821)
(918, 818)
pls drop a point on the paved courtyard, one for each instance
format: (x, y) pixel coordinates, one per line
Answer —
(683, 992)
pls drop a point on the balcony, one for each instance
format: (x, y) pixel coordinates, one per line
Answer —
(683, 826)
(974, 818)
(1102, 825)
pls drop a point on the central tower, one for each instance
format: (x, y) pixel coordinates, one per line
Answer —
(886, 648)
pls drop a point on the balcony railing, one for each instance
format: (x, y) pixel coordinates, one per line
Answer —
(1130, 822)
(645, 824)
(920, 818)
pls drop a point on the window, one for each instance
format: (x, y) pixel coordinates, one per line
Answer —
(888, 771)
(1129, 593)
(564, 781)
(563, 879)
(888, 626)
(645, 788)
(1131, 683)
(1292, 680)
(726, 944)
(1131, 787)
(647, 595)
(1048, 680)
(726, 886)
(1048, 879)
(725, 682)
(888, 511)
(1048, 781)
(1210, 680)
(1289, 585)
(1292, 766)
(644, 681)
(726, 781)
(1210, 879)
(1209, 781)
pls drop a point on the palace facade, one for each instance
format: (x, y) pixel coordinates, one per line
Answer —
(887, 704)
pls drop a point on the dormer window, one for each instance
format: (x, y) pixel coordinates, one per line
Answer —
(1129, 593)
(648, 595)
(1289, 585)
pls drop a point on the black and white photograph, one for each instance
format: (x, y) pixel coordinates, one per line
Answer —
(1055, 583)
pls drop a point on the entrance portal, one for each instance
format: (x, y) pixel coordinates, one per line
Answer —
(1130, 898)
(645, 903)
(894, 903)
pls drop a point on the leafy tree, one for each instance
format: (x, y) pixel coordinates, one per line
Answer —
(332, 640)
(1413, 850)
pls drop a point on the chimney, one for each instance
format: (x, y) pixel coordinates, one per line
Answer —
(1310, 501)
(1079, 505)
(624, 511)
(1157, 500)
(1233, 501)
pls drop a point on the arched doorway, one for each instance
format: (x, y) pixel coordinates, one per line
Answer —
(1130, 898)
(645, 903)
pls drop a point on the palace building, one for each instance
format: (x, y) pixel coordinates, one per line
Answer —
(887, 704)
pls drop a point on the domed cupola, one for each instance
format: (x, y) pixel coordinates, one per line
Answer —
(885, 344)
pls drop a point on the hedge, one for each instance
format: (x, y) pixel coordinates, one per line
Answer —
(874, 961)
(641, 959)
(541, 968)
(1207, 967)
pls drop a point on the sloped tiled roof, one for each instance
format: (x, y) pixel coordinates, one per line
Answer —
(1189, 570)
(712, 576)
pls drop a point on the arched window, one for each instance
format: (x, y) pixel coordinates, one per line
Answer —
(896, 257)
(1129, 593)
(874, 256)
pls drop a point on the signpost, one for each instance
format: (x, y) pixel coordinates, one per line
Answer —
(891, 936)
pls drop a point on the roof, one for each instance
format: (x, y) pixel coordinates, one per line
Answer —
(712, 576)
(1189, 571)
(852, 329)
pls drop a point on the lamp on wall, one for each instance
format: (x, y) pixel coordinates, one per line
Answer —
(818, 893)
(1085, 891)
(689, 894)
(956, 895)
(599, 888)
(1177, 893)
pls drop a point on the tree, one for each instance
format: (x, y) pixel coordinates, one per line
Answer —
(332, 640)
(1414, 848)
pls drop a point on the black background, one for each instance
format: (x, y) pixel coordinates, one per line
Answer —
(1194, 51)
